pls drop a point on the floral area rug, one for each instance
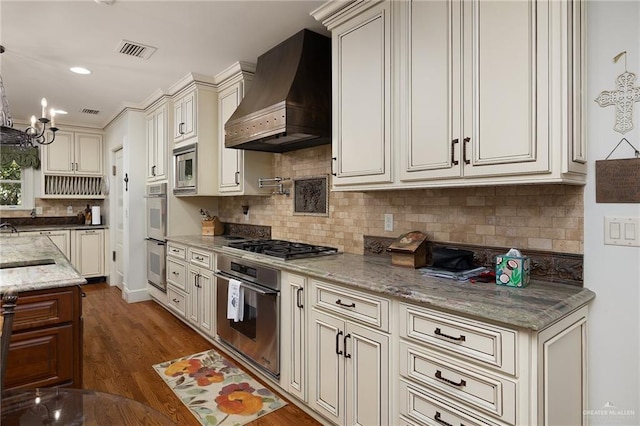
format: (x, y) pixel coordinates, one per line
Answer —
(216, 391)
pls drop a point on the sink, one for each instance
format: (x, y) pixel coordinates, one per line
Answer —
(25, 263)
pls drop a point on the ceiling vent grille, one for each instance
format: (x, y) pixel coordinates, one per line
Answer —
(136, 50)
(90, 111)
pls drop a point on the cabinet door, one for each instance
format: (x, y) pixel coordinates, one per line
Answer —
(431, 66)
(189, 115)
(160, 143)
(58, 157)
(88, 153)
(506, 93)
(207, 294)
(178, 120)
(151, 146)
(362, 98)
(230, 159)
(88, 252)
(367, 376)
(296, 327)
(326, 362)
(193, 307)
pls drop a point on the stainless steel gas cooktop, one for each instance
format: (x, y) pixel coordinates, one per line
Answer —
(283, 249)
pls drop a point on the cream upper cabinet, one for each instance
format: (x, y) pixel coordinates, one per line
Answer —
(238, 170)
(73, 153)
(483, 92)
(185, 116)
(361, 75)
(157, 124)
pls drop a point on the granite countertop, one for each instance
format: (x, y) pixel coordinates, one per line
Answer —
(29, 228)
(533, 307)
(34, 249)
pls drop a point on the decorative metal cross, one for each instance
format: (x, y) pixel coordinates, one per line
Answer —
(623, 99)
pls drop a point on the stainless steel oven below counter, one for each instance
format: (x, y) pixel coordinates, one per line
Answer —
(256, 334)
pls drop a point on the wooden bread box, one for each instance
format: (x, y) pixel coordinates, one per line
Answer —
(409, 250)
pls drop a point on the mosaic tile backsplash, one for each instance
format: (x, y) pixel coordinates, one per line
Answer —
(535, 217)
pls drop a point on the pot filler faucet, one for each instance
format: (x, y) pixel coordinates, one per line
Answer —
(276, 183)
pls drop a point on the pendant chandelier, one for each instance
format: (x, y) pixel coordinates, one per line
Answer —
(36, 134)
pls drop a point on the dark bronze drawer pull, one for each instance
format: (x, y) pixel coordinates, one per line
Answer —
(175, 300)
(339, 302)
(175, 273)
(298, 300)
(460, 384)
(439, 332)
(438, 419)
(338, 351)
(453, 149)
(344, 343)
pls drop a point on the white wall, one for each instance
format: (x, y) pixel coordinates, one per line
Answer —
(128, 131)
(612, 272)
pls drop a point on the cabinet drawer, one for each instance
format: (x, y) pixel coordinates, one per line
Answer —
(490, 394)
(366, 308)
(43, 310)
(492, 345)
(177, 301)
(422, 408)
(177, 273)
(201, 258)
(177, 251)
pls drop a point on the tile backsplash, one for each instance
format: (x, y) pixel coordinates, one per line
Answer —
(54, 207)
(536, 217)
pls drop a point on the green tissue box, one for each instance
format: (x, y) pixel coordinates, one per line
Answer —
(512, 271)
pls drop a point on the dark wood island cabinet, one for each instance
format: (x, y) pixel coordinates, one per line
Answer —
(45, 348)
(46, 342)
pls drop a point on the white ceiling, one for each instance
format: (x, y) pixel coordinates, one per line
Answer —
(43, 39)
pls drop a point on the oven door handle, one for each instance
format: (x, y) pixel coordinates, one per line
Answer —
(248, 286)
(158, 243)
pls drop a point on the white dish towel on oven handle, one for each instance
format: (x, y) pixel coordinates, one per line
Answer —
(235, 301)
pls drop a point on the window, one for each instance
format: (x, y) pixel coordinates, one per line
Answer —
(16, 187)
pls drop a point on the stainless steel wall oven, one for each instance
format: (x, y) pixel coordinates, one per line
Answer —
(256, 334)
(156, 215)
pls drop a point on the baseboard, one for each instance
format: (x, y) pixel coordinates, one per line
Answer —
(140, 295)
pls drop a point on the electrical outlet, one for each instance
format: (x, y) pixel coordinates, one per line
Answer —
(388, 222)
(39, 210)
(69, 209)
(246, 216)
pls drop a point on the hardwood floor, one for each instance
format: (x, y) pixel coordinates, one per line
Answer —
(122, 341)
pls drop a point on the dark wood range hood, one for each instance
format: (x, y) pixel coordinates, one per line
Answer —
(288, 106)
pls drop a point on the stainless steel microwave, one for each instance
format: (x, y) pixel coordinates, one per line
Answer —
(185, 170)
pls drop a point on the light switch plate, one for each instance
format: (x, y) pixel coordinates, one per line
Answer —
(69, 209)
(622, 231)
(39, 210)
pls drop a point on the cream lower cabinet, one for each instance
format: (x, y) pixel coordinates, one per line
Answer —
(201, 291)
(87, 252)
(62, 239)
(293, 328)
(348, 361)
(177, 277)
(455, 370)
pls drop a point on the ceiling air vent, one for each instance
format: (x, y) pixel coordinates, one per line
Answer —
(137, 50)
(90, 111)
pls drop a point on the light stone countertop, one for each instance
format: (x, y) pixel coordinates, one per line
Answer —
(34, 248)
(534, 307)
(29, 228)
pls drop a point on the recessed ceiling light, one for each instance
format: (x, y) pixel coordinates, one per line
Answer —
(79, 70)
